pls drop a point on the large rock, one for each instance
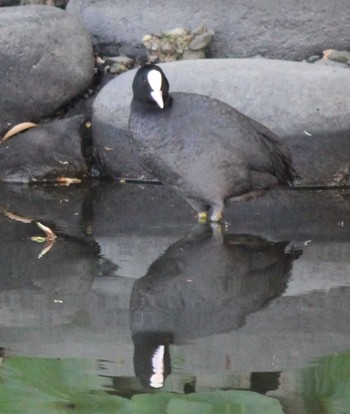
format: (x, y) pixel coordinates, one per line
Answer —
(305, 104)
(278, 29)
(46, 60)
(45, 153)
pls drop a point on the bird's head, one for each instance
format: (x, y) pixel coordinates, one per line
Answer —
(150, 85)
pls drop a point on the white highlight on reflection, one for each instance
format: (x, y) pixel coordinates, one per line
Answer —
(157, 379)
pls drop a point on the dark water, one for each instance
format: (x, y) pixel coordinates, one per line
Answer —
(135, 308)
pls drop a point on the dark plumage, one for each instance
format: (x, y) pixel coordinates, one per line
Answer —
(204, 149)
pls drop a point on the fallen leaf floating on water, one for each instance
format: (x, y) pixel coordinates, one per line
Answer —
(50, 235)
(16, 217)
(50, 239)
(68, 181)
(16, 129)
(38, 239)
(47, 248)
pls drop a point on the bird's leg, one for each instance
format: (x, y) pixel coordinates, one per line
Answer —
(216, 215)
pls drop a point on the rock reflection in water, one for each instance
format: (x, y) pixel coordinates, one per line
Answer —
(206, 283)
(44, 289)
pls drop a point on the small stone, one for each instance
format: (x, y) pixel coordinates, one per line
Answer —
(167, 58)
(172, 44)
(178, 32)
(201, 41)
(341, 56)
(151, 43)
(199, 30)
(193, 54)
(117, 68)
(167, 48)
(146, 38)
(122, 60)
(313, 59)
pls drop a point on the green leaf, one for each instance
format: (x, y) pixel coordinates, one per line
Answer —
(45, 386)
(72, 386)
(182, 406)
(209, 402)
(326, 385)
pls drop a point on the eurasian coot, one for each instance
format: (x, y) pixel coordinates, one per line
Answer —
(204, 149)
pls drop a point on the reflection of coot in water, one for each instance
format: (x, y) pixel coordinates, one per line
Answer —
(205, 283)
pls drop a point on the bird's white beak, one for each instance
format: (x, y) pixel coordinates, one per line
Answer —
(158, 97)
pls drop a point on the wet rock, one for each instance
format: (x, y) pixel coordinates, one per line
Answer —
(287, 97)
(46, 60)
(6, 3)
(45, 153)
(283, 30)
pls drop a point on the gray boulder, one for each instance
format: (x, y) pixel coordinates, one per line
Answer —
(46, 60)
(276, 29)
(306, 105)
(45, 153)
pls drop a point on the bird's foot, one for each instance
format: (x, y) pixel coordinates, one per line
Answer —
(202, 217)
(216, 216)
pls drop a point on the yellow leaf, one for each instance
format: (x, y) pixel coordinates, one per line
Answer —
(38, 239)
(16, 129)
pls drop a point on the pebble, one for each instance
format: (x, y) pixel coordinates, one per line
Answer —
(117, 68)
(340, 56)
(178, 44)
(199, 29)
(122, 60)
(201, 41)
(179, 31)
(193, 54)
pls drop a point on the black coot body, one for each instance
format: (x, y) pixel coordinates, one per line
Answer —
(204, 149)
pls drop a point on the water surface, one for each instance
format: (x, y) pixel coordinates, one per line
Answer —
(134, 298)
